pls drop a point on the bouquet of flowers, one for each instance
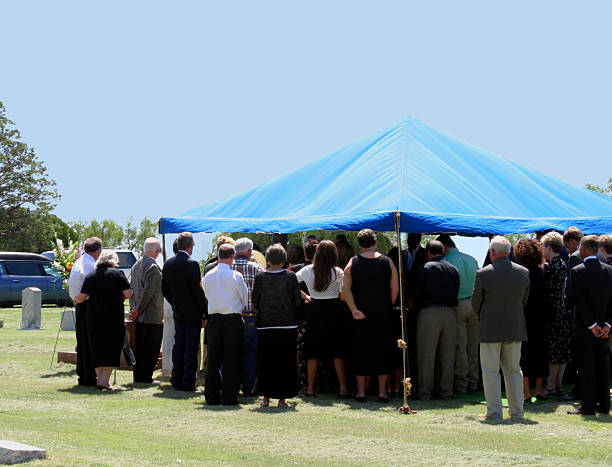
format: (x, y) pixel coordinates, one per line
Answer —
(65, 258)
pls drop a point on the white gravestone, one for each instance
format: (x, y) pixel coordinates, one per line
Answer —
(68, 320)
(168, 339)
(16, 453)
(31, 299)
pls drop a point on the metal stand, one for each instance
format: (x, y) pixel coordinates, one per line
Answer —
(405, 409)
(57, 337)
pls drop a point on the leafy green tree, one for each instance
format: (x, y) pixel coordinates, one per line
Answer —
(605, 190)
(61, 230)
(130, 237)
(135, 235)
(107, 230)
(27, 193)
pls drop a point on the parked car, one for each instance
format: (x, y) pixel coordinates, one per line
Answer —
(22, 270)
(127, 259)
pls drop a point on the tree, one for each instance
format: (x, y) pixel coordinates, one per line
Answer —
(27, 193)
(606, 190)
(135, 236)
(113, 235)
(108, 231)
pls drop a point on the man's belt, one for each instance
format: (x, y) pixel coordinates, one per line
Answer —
(249, 314)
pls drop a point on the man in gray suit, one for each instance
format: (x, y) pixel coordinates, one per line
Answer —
(147, 308)
(500, 294)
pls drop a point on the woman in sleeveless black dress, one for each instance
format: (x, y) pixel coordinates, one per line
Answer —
(370, 288)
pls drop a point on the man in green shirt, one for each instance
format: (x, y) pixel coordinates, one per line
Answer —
(466, 350)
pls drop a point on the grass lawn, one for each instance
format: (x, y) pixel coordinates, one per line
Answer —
(144, 425)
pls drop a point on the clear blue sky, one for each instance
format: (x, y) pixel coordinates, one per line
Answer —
(151, 108)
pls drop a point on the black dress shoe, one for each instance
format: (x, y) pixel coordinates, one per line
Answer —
(384, 400)
(360, 399)
(579, 412)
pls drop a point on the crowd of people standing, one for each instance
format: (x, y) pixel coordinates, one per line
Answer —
(533, 309)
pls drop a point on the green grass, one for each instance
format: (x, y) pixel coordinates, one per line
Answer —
(158, 426)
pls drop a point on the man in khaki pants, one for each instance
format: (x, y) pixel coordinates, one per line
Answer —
(500, 293)
(466, 348)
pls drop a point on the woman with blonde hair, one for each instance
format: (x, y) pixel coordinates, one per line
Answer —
(106, 288)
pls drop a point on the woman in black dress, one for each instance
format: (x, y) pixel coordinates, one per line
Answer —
(396, 333)
(275, 296)
(324, 332)
(534, 361)
(106, 288)
(370, 288)
(558, 333)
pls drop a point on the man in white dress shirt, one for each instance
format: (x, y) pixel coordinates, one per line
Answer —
(227, 296)
(81, 268)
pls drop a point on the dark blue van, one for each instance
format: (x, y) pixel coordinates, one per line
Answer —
(21, 270)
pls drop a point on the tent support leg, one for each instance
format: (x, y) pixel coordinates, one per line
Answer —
(405, 408)
(163, 240)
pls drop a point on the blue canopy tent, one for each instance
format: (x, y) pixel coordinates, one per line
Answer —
(408, 177)
(411, 173)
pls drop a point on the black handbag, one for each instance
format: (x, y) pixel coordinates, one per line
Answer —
(128, 353)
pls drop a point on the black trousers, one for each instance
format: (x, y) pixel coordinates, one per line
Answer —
(224, 349)
(185, 356)
(594, 373)
(85, 363)
(148, 339)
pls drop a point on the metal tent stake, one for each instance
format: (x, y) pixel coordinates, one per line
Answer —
(405, 409)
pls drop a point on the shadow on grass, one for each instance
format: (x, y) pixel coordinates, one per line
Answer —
(219, 407)
(89, 390)
(83, 390)
(510, 421)
(273, 409)
(60, 374)
(168, 392)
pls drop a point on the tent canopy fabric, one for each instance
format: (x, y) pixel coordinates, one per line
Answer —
(438, 184)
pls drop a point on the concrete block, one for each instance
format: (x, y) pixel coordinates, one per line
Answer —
(16, 453)
(68, 320)
(31, 303)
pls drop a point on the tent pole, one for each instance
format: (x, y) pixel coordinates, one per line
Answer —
(405, 408)
(163, 240)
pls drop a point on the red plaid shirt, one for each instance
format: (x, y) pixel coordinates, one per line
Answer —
(249, 270)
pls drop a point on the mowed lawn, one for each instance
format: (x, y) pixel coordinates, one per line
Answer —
(158, 426)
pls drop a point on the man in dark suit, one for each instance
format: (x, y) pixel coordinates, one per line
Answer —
(182, 288)
(501, 290)
(590, 288)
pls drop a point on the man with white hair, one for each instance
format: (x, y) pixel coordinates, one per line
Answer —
(500, 293)
(248, 269)
(147, 309)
